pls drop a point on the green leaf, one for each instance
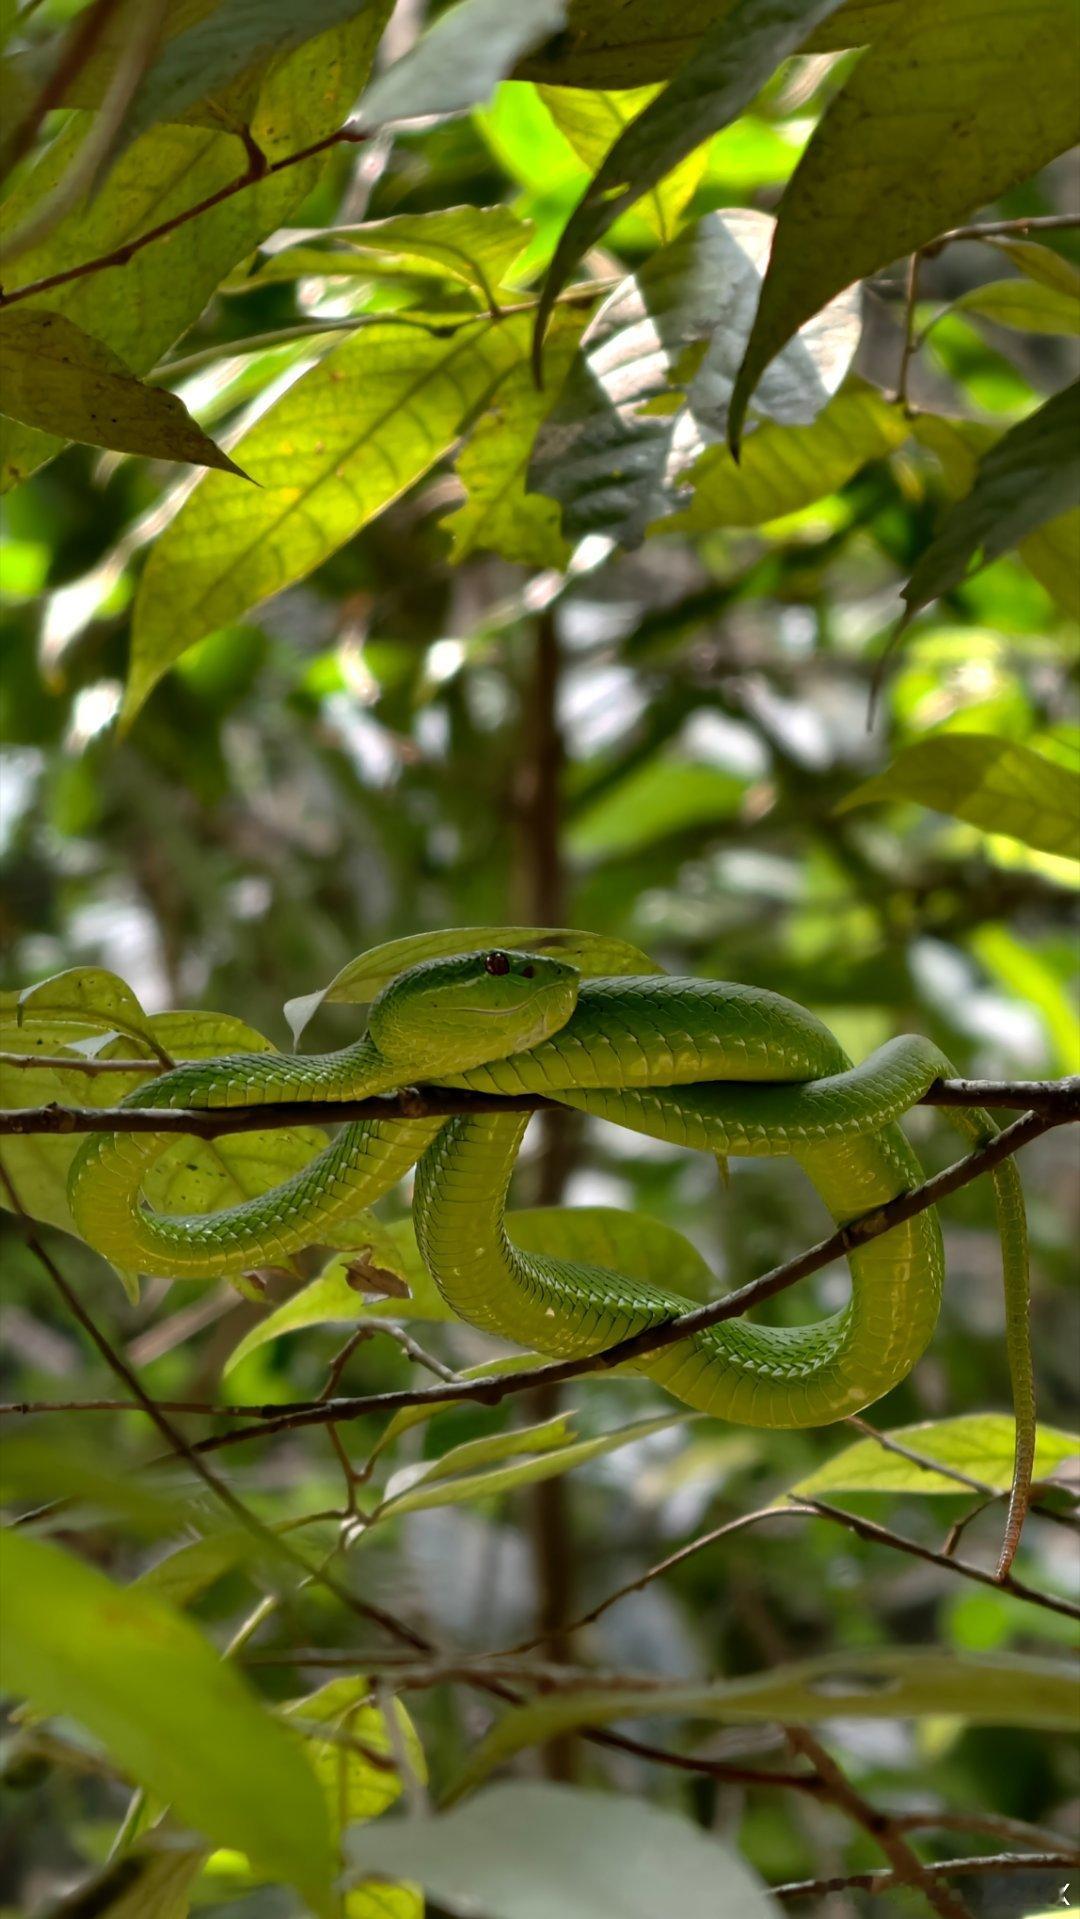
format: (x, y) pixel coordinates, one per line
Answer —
(234, 36)
(346, 439)
(638, 41)
(140, 308)
(549, 1435)
(499, 514)
(887, 1683)
(357, 984)
(784, 468)
(948, 109)
(500, 1479)
(592, 122)
(461, 59)
(998, 785)
(1041, 264)
(477, 245)
(1025, 305)
(979, 1445)
(337, 1298)
(355, 1788)
(140, 1678)
(56, 377)
(527, 1849)
(666, 795)
(731, 65)
(36, 1468)
(650, 387)
(1030, 476)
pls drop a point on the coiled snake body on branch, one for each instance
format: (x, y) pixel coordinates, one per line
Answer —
(716, 1067)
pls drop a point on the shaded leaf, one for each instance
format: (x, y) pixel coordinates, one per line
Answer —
(636, 42)
(889, 1683)
(645, 1249)
(650, 388)
(550, 1435)
(1040, 263)
(1024, 304)
(721, 77)
(951, 106)
(1030, 476)
(358, 983)
(154, 1691)
(349, 436)
(56, 377)
(784, 468)
(528, 1849)
(499, 514)
(137, 1885)
(140, 308)
(998, 785)
(461, 59)
(666, 795)
(499, 1479)
(978, 1444)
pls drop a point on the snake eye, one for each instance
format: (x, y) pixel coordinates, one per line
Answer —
(496, 963)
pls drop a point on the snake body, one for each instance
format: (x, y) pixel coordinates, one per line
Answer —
(685, 1060)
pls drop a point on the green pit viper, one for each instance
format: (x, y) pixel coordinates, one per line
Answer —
(683, 1060)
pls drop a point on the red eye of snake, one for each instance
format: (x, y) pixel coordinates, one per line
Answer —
(496, 963)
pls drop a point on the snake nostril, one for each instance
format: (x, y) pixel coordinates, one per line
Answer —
(528, 972)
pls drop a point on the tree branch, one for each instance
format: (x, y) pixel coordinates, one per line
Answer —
(942, 1868)
(256, 170)
(1055, 1099)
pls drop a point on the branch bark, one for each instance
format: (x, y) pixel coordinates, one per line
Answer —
(1056, 1100)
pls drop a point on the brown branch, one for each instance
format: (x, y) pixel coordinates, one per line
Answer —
(499, 1386)
(256, 170)
(876, 1535)
(1001, 229)
(74, 54)
(1055, 1099)
(942, 1868)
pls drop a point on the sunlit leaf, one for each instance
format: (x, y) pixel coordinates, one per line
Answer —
(526, 1849)
(981, 1445)
(784, 468)
(139, 308)
(593, 121)
(1029, 477)
(651, 385)
(477, 245)
(998, 785)
(461, 59)
(886, 1683)
(731, 64)
(1040, 263)
(140, 1678)
(347, 438)
(499, 513)
(945, 111)
(667, 795)
(357, 984)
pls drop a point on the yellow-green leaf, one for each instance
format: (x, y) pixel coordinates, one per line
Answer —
(550, 1462)
(345, 440)
(998, 785)
(946, 110)
(1025, 305)
(180, 1721)
(593, 121)
(979, 1445)
(56, 377)
(783, 468)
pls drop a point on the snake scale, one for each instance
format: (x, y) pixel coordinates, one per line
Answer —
(717, 1067)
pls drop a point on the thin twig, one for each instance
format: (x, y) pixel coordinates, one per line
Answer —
(119, 256)
(911, 295)
(1057, 1099)
(943, 1868)
(1001, 229)
(76, 51)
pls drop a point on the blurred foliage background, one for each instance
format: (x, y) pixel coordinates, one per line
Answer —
(651, 744)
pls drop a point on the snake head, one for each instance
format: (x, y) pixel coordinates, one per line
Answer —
(446, 1015)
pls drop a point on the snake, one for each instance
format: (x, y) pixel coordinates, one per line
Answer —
(718, 1067)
